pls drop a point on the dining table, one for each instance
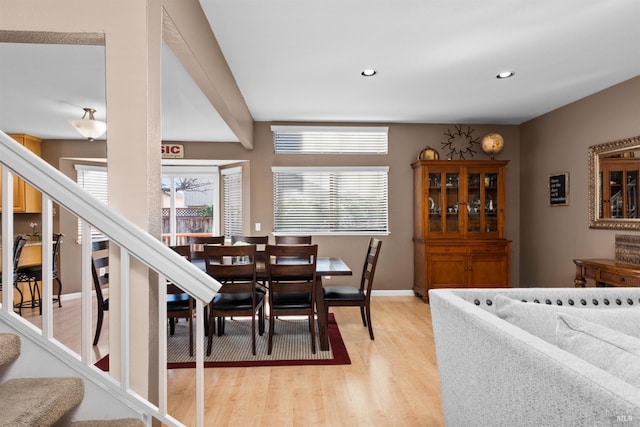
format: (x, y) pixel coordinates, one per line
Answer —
(325, 267)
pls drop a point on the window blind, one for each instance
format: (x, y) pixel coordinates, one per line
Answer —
(330, 140)
(330, 200)
(94, 180)
(232, 201)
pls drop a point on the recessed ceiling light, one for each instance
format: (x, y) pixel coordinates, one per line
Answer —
(369, 72)
(505, 75)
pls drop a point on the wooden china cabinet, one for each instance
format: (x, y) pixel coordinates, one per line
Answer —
(26, 199)
(459, 230)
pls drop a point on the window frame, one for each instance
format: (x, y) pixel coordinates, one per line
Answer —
(337, 140)
(102, 195)
(337, 210)
(231, 221)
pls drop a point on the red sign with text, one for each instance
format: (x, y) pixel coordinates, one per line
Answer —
(172, 151)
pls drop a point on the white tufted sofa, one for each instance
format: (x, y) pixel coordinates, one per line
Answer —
(494, 373)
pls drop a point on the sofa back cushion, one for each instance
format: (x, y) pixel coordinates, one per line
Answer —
(541, 319)
(606, 348)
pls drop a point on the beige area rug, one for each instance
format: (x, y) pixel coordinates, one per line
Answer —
(291, 346)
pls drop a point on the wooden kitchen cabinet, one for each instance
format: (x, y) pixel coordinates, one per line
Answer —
(26, 199)
(459, 225)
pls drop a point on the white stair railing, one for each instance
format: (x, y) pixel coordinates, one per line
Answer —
(133, 242)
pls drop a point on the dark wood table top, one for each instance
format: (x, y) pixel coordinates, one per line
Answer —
(326, 266)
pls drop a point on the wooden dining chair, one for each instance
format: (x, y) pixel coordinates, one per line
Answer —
(293, 240)
(235, 268)
(100, 274)
(18, 244)
(197, 244)
(291, 271)
(261, 243)
(180, 305)
(349, 296)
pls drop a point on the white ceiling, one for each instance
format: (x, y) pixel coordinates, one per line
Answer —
(300, 60)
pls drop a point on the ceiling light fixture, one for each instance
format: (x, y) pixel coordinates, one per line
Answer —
(369, 72)
(89, 127)
(505, 75)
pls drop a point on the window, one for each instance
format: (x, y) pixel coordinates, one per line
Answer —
(330, 140)
(190, 202)
(348, 200)
(94, 180)
(232, 201)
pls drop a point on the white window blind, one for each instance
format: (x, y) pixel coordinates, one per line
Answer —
(232, 201)
(349, 200)
(94, 180)
(330, 140)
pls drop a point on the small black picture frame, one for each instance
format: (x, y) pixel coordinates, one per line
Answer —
(558, 187)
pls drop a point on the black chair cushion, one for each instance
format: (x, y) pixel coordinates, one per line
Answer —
(237, 301)
(178, 302)
(343, 293)
(32, 272)
(294, 301)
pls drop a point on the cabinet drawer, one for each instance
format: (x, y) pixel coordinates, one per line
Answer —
(446, 249)
(619, 279)
(488, 249)
(590, 272)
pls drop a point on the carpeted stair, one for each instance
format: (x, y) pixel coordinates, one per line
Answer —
(41, 402)
(125, 422)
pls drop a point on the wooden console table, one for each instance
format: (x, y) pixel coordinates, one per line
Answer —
(606, 272)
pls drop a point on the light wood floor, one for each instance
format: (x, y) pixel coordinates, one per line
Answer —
(392, 381)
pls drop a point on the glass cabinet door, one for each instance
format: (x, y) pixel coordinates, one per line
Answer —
(482, 202)
(452, 202)
(435, 203)
(490, 202)
(444, 197)
(474, 203)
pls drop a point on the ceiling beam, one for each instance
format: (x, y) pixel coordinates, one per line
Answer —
(187, 33)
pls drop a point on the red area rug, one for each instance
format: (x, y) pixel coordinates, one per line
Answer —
(291, 346)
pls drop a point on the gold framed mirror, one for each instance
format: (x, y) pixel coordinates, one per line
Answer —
(614, 175)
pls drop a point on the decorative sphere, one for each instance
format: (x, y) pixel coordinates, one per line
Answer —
(492, 144)
(428, 154)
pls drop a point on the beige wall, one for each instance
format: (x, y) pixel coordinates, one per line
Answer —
(395, 267)
(551, 237)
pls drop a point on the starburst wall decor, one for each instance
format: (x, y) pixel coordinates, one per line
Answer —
(460, 142)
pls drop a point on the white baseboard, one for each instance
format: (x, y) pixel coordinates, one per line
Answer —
(76, 295)
(393, 293)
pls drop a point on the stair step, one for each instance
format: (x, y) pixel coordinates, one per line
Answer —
(123, 422)
(9, 348)
(38, 401)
